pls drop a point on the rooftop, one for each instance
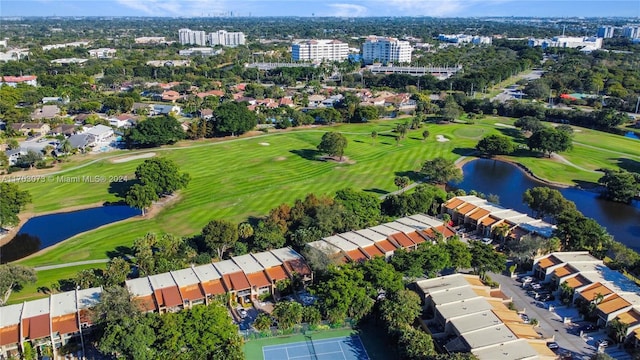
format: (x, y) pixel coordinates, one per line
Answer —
(267, 259)
(185, 277)
(63, 303)
(400, 227)
(515, 350)
(206, 272)
(475, 321)
(227, 267)
(371, 234)
(35, 308)
(248, 264)
(356, 238)
(161, 281)
(341, 243)
(494, 335)
(139, 287)
(10, 314)
(466, 307)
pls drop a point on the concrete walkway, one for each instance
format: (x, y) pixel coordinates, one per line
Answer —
(77, 263)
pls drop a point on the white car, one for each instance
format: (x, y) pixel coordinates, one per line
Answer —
(526, 279)
(242, 312)
(486, 241)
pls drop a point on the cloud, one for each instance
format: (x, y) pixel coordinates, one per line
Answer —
(436, 7)
(348, 10)
(176, 8)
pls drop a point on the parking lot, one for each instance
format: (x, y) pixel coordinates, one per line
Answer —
(551, 323)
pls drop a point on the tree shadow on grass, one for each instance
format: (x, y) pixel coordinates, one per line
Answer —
(120, 188)
(463, 151)
(524, 152)
(515, 134)
(308, 154)
(376, 191)
(358, 141)
(412, 175)
(120, 251)
(586, 184)
(66, 284)
(627, 164)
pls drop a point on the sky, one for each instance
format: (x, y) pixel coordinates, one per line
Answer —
(340, 8)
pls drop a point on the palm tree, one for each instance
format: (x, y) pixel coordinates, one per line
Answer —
(502, 231)
(617, 330)
(65, 147)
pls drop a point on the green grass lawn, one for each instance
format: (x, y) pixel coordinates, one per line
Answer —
(47, 278)
(247, 177)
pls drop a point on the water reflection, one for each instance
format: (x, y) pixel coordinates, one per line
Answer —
(509, 183)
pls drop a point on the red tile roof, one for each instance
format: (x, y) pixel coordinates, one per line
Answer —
(17, 79)
(453, 203)
(277, 273)
(191, 292)
(146, 303)
(9, 335)
(299, 266)
(402, 239)
(356, 255)
(236, 281)
(373, 251)
(214, 287)
(36, 327)
(415, 237)
(258, 279)
(168, 297)
(67, 324)
(386, 245)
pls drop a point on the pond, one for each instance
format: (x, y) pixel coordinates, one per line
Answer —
(43, 231)
(632, 135)
(509, 182)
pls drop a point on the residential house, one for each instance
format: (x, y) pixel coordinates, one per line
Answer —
(217, 93)
(80, 142)
(286, 101)
(31, 128)
(189, 287)
(102, 53)
(122, 121)
(260, 282)
(166, 293)
(316, 100)
(46, 112)
(13, 81)
(14, 155)
(100, 132)
(234, 280)
(158, 109)
(170, 95)
(142, 108)
(64, 129)
(206, 114)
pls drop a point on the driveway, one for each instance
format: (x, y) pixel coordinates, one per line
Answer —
(550, 323)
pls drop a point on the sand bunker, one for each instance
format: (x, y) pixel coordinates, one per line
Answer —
(133, 157)
(264, 144)
(505, 125)
(441, 138)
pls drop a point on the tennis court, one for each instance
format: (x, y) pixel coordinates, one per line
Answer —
(341, 348)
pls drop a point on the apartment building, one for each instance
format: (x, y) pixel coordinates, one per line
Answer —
(192, 37)
(586, 43)
(631, 31)
(224, 38)
(386, 50)
(605, 32)
(319, 50)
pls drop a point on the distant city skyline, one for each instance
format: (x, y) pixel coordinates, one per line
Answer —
(338, 8)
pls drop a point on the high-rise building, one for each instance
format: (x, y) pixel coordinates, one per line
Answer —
(318, 50)
(191, 37)
(631, 32)
(386, 50)
(224, 38)
(605, 32)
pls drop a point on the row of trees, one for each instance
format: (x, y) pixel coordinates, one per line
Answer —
(202, 332)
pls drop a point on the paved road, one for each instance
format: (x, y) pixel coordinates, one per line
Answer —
(550, 323)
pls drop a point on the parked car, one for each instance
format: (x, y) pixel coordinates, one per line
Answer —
(486, 241)
(526, 279)
(553, 345)
(242, 312)
(588, 327)
(547, 297)
(525, 318)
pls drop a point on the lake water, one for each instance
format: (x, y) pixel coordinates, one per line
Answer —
(509, 182)
(43, 231)
(632, 135)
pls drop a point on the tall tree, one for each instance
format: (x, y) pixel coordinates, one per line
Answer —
(459, 254)
(140, 196)
(162, 175)
(545, 201)
(400, 308)
(486, 258)
(232, 118)
(362, 209)
(155, 131)
(382, 275)
(333, 144)
(550, 140)
(621, 186)
(287, 314)
(441, 171)
(220, 236)
(492, 145)
(12, 201)
(13, 277)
